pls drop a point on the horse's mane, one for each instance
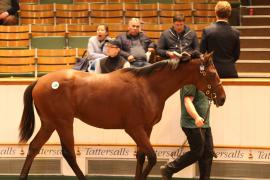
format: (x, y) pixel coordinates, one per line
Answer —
(148, 70)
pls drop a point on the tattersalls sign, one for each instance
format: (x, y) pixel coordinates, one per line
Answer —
(8, 151)
(119, 152)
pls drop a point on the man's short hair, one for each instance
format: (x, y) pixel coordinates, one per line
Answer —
(134, 20)
(179, 18)
(223, 9)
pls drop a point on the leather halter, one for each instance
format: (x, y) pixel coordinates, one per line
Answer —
(211, 91)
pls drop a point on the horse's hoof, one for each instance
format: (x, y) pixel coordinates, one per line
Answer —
(23, 178)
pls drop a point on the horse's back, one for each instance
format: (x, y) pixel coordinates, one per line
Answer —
(70, 82)
(78, 93)
(53, 91)
(93, 98)
(56, 81)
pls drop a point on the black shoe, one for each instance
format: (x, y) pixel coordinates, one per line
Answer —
(165, 173)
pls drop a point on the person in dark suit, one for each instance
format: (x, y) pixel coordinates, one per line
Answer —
(223, 40)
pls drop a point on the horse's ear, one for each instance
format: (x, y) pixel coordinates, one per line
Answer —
(208, 57)
(211, 54)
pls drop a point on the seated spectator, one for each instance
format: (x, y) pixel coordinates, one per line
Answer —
(135, 44)
(223, 40)
(8, 12)
(113, 61)
(96, 44)
(179, 38)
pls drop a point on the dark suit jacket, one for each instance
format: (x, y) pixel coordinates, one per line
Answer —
(224, 40)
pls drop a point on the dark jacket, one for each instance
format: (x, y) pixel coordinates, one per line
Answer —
(126, 42)
(110, 64)
(179, 42)
(224, 41)
(15, 7)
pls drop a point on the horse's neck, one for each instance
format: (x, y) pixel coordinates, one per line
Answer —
(167, 81)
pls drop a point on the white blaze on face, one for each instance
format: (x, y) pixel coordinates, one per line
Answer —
(55, 85)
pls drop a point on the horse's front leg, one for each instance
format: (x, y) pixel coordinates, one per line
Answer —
(141, 137)
(140, 156)
(151, 156)
(152, 160)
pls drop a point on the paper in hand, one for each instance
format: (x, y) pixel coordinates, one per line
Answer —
(182, 54)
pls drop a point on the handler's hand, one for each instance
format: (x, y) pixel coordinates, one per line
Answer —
(131, 58)
(170, 54)
(151, 49)
(4, 15)
(199, 122)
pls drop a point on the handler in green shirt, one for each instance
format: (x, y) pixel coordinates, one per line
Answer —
(194, 107)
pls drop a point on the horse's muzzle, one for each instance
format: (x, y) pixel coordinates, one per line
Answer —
(219, 101)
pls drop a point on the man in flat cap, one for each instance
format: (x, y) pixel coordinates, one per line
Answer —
(113, 61)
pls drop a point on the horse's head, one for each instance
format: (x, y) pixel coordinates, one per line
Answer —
(209, 81)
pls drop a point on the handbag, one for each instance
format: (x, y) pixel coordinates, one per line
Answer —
(82, 63)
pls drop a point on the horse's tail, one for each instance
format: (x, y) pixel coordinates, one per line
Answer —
(27, 124)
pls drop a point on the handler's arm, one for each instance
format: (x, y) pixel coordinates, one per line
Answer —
(199, 121)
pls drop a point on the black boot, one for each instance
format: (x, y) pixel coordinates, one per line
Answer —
(178, 164)
(166, 173)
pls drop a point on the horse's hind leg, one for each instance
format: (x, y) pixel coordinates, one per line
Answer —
(67, 143)
(40, 139)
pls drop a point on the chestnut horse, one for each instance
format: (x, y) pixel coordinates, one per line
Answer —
(131, 99)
